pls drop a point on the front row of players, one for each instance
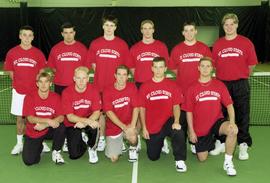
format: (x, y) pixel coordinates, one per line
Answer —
(157, 103)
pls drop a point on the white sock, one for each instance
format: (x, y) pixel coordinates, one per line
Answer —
(19, 139)
(228, 157)
(101, 138)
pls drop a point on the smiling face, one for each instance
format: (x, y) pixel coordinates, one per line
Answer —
(205, 68)
(230, 27)
(189, 33)
(26, 37)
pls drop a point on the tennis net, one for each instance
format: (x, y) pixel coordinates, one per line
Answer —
(260, 96)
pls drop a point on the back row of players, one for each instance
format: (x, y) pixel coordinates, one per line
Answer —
(233, 57)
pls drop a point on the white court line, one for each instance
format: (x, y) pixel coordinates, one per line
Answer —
(5, 89)
(135, 172)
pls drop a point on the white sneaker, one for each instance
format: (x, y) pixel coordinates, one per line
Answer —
(192, 149)
(165, 149)
(84, 137)
(57, 157)
(243, 154)
(17, 149)
(65, 146)
(93, 157)
(124, 148)
(132, 154)
(45, 147)
(219, 148)
(101, 144)
(180, 166)
(229, 168)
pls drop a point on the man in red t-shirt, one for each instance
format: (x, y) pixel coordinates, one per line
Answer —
(120, 102)
(81, 104)
(234, 58)
(23, 63)
(184, 60)
(43, 112)
(160, 113)
(105, 54)
(64, 58)
(203, 103)
(142, 54)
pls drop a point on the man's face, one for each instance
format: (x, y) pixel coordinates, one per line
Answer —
(121, 77)
(189, 33)
(159, 69)
(205, 68)
(81, 79)
(26, 37)
(68, 35)
(147, 30)
(43, 84)
(109, 28)
(230, 27)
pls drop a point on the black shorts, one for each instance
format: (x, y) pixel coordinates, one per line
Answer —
(138, 84)
(207, 142)
(59, 89)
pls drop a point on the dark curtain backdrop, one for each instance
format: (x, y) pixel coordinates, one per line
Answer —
(254, 23)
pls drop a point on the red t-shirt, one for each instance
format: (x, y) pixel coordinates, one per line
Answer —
(25, 65)
(80, 104)
(205, 102)
(185, 60)
(42, 108)
(232, 58)
(158, 100)
(107, 55)
(142, 56)
(65, 59)
(122, 104)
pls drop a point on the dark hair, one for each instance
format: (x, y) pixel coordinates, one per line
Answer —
(67, 25)
(26, 27)
(189, 23)
(159, 59)
(124, 67)
(110, 18)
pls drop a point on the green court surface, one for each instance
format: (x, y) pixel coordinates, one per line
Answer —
(256, 169)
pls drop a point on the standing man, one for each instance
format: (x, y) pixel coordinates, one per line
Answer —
(122, 109)
(43, 112)
(234, 58)
(160, 114)
(142, 54)
(105, 54)
(204, 100)
(23, 63)
(81, 104)
(184, 62)
(64, 58)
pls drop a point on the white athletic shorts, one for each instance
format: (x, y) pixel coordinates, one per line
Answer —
(114, 145)
(17, 103)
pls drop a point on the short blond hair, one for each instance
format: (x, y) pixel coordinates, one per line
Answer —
(81, 68)
(230, 16)
(149, 22)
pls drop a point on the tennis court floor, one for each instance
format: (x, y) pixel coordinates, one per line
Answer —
(256, 169)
